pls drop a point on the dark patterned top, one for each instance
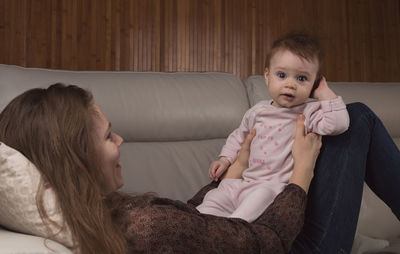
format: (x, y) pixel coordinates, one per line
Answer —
(160, 225)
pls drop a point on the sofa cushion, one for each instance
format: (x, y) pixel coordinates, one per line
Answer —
(19, 182)
(171, 106)
(12, 243)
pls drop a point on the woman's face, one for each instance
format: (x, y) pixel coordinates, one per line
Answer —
(107, 147)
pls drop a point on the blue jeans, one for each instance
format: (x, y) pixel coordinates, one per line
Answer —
(364, 152)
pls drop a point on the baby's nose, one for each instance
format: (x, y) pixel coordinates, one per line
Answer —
(291, 85)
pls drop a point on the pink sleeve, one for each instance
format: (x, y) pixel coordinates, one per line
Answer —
(236, 138)
(328, 117)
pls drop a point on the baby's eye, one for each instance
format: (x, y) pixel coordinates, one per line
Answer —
(281, 74)
(302, 78)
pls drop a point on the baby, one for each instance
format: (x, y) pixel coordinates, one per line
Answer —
(292, 75)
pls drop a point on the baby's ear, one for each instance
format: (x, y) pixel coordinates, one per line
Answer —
(266, 75)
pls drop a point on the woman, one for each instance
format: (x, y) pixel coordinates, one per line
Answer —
(69, 139)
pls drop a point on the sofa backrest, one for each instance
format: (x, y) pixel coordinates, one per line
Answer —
(382, 98)
(173, 124)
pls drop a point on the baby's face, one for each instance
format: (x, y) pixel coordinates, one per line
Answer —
(290, 78)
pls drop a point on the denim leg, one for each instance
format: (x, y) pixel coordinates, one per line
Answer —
(335, 193)
(383, 167)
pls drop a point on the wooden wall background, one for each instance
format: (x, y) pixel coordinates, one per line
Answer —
(361, 37)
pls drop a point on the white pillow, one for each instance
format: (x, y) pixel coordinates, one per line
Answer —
(19, 182)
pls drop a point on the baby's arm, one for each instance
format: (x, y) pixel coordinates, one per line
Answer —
(330, 117)
(218, 167)
(323, 92)
(231, 148)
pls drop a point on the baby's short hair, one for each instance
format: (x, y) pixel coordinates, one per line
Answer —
(300, 44)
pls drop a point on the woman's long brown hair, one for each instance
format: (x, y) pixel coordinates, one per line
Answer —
(52, 127)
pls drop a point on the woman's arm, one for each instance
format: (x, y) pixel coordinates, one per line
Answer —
(305, 152)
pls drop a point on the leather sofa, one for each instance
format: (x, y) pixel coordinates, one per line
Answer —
(174, 125)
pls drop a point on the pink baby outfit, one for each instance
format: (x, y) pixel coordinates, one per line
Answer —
(270, 162)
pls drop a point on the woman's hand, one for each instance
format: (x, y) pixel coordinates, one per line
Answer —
(305, 151)
(242, 161)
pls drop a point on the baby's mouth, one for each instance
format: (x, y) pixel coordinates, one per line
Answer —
(288, 96)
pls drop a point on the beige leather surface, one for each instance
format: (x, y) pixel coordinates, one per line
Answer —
(13, 243)
(148, 106)
(172, 169)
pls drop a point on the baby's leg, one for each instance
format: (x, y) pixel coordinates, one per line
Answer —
(220, 201)
(255, 202)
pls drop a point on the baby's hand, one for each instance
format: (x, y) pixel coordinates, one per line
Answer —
(323, 92)
(218, 167)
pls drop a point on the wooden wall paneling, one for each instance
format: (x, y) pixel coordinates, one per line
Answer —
(202, 33)
(149, 42)
(36, 33)
(266, 18)
(332, 19)
(85, 29)
(238, 34)
(182, 8)
(144, 32)
(17, 33)
(139, 26)
(55, 38)
(204, 30)
(174, 34)
(270, 25)
(166, 41)
(83, 33)
(164, 35)
(3, 26)
(156, 35)
(65, 35)
(4, 32)
(244, 49)
(125, 35)
(376, 36)
(101, 32)
(115, 56)
(390, 41)
(359, 45)
(252, 46)
(107, 21)
(207, 52)
(170, 36)
(228, 36)
(210, 37)
(360, 37)
(217, 34)
(196, 31)
(191, 37)
(132, 41)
